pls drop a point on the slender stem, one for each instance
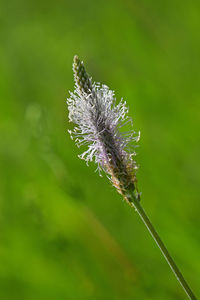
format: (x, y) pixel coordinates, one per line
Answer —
(136, 204)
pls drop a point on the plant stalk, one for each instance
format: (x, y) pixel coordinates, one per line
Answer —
(136, 204)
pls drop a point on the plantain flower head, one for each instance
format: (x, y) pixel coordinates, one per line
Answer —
(98, 118)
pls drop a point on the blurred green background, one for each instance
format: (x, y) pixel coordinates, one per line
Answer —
(65, 233)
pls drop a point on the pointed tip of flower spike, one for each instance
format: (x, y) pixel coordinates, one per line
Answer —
(76, 63)
(82, 80)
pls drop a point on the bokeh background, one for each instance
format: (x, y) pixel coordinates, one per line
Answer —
(65, 233)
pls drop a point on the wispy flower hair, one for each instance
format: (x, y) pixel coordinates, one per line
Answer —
(92, 107)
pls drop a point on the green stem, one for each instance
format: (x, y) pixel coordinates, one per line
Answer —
(136, 204)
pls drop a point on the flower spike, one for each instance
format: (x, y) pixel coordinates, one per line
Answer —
(92, 107)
